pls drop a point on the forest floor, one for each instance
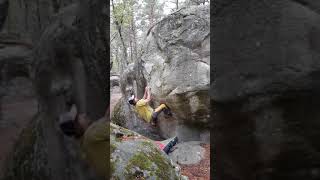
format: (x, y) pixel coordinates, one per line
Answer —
(201, 170)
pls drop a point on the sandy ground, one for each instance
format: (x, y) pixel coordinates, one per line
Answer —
(200, 171)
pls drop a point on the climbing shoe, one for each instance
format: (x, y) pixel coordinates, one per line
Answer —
(167, 111)
(170, 145)
(154, 119)
(153, 124)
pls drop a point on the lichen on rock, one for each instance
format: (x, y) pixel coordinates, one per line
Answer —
(138, 156)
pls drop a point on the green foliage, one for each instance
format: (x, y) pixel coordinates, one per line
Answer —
(123, 12)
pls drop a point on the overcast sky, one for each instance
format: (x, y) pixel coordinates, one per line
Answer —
(169, 5)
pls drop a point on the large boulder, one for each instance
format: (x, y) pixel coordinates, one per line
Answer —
(28, 19)
(53, 29)
(114, 81)
(176, 66)
(123, 115)
(266, 89)
(177, 63)
(15, 59)
(138, 157)
(18, 100)
(187, 153)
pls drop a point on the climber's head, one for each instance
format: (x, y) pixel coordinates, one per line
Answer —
(132, 100)
(70, 123)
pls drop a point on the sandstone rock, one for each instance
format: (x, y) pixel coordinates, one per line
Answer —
(114, 81)
(176, 66)
(29, 19)
(138, 157)
(187, 153)
(42, 152)
(266, 89)
(3, 12)
(124, 116)
(177, 54)
(184, 178)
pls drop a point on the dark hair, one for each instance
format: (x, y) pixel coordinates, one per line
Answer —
(131, 100)
(69, 127)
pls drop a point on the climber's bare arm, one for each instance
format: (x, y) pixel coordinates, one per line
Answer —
(148, 99)
(145, 93)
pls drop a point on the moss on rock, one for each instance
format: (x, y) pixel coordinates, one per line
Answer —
(138, 158)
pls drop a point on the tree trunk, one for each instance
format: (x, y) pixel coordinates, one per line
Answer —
(124, 62)
(151, 15)
(133, 29)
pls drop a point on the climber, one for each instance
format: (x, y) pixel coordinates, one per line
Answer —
(144, 110)
(93, 137)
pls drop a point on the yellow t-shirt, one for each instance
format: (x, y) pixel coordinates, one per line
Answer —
(95, 144)
(144, 110)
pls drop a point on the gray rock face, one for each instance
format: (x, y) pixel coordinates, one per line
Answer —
(4, 4)
(114, 81)
(138, 157)
(124, 116)
(28, 19)
(18, 107)
(187, 153)
(266, 89)
(177, 62)
(18, 102)
(42, 152)
(176, 66)
(15, 59)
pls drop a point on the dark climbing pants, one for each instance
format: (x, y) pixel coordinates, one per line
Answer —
(157, 111)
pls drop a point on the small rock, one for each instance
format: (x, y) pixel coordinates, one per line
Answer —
(184, 177)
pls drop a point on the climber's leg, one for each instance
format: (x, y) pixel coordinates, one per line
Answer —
(163, 107)
(156, 112)
(160, 108)
(154, 119)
